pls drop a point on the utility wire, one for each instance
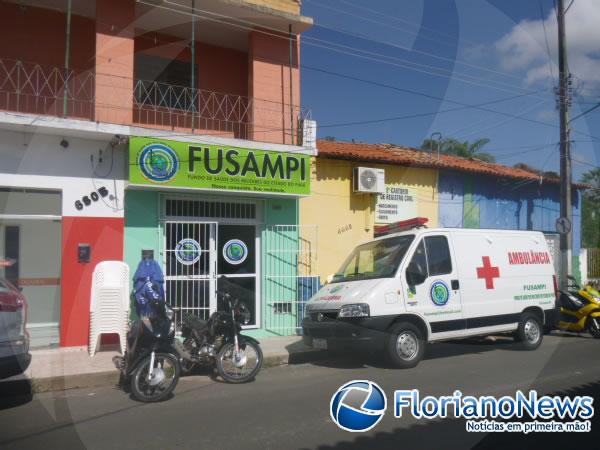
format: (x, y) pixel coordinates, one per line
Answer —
(546, 39)
(326, 44)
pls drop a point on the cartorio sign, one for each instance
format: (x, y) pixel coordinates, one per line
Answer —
(207, 166)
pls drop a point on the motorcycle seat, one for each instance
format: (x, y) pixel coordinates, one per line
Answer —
(571, 302)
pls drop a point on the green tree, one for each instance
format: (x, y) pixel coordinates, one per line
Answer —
(590, 216)
(463, 149)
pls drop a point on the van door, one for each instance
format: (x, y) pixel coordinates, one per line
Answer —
(431, 286)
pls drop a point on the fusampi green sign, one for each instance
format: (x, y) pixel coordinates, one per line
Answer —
(205, 166)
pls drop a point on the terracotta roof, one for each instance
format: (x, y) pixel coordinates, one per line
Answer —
(406, 156)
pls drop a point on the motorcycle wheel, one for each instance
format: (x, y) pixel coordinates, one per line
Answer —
(594, 327)
(187, 366)
(165, 377)
(247, 366)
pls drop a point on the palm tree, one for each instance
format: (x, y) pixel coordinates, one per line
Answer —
(464, 149)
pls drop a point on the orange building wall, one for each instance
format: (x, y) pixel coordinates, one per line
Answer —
(269, 85)
(114, 61)
(220, 69)
(38, 35)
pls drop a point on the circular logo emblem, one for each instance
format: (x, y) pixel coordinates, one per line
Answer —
(358, 406)
(440, 294)
(187, 251)
(158, 163)
(235, 251)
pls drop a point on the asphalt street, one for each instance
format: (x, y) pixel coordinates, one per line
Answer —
(288, 407)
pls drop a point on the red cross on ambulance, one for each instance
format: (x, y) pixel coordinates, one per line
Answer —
(488, 272)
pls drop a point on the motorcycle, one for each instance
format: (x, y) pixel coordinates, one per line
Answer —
(218, 342)
(580, 309)
(150, 366)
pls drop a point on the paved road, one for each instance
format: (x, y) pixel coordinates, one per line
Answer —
(287, 407)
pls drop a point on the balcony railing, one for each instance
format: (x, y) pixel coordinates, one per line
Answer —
(36, 89)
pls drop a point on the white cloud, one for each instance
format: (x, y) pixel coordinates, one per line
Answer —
(524, 47)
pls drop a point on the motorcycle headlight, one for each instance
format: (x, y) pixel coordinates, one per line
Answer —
(357, 310)
(169, 312)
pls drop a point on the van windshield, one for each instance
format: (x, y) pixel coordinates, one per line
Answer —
(377, 259)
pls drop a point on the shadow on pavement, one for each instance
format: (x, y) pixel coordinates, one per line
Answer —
(451, 434)
(448, 349)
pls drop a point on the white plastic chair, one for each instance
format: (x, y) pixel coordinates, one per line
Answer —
(109, 303)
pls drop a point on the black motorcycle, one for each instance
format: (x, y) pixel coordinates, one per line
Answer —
(150, 366)
(218, 342)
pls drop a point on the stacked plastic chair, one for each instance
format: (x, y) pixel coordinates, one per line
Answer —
(109, 303)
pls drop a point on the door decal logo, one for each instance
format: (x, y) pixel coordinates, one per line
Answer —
(158, 163)
(488, 272)
(235, 251)
(440, 294)
(187, 251)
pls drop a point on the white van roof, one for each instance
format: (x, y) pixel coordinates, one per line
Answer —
(419, 231)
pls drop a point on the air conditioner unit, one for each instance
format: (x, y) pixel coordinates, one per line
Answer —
(369, 180)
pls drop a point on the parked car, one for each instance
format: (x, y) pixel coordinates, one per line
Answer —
(400, 291)
(14, 338)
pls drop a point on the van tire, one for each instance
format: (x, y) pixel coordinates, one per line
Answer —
(530, 332)
(404, 337)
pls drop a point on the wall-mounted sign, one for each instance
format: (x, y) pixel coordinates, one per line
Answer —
(235, 251)
(188, 251)
(396, 204)
(206, 166)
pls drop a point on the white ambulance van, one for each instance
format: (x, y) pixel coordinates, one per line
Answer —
(400, 291)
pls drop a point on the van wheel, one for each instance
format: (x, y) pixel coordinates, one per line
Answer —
(530, 332)
(405, 346)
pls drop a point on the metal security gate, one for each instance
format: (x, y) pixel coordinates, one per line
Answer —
(190, 267)
(291, 277)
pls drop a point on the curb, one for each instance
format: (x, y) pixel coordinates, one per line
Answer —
(111, 378)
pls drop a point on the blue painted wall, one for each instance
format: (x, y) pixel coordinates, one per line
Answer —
(486, 202)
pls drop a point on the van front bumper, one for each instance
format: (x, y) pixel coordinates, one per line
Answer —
(367, 333)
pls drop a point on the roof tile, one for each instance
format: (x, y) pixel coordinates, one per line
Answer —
(392, 154)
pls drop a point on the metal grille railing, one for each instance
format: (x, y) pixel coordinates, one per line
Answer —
(37, 89)
(593, 263)
(290, 267)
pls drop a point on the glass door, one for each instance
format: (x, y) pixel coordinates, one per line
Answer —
(190, 267)
(237, 265)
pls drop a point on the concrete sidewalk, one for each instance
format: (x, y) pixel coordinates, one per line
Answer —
(71, 367)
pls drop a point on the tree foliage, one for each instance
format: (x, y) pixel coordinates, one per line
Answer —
(591, 210)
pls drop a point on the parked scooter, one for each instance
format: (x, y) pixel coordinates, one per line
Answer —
(218, 342)
(580, 309)
(150, 366)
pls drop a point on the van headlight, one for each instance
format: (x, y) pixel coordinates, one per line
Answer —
(307, 310)
(357, 310)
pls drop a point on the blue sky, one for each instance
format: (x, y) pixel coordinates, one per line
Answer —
(457, 53)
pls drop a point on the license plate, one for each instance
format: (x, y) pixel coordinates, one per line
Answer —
(320, 344)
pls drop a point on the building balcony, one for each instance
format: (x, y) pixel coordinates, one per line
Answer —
(37, 89)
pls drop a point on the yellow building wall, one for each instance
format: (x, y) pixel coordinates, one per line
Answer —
(345, 219)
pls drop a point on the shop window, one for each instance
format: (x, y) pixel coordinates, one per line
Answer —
(29, 202)
(210, 209)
